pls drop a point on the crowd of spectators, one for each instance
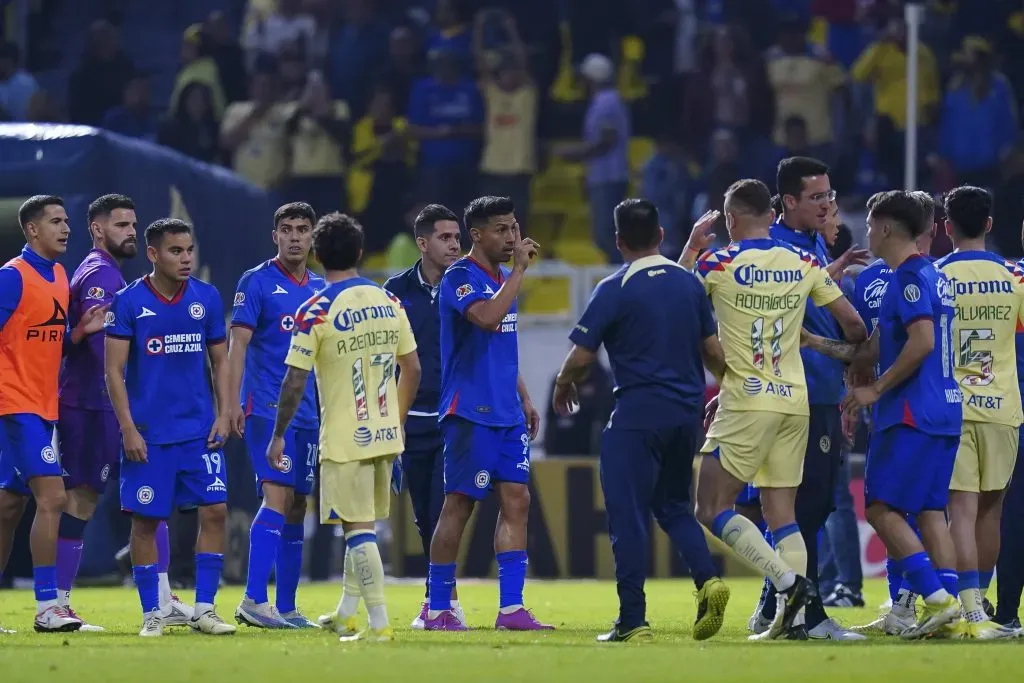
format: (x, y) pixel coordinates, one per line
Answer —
(376, 106)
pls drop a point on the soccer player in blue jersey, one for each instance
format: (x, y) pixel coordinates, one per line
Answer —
(160, 330)
(869, 288)
(437, 235)
(919, 413)
(487, 418)
(262, 321)
(647, 449)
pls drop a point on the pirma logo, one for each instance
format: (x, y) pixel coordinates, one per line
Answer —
(48, 455)
(145, 495)
(483, 478)
(197, 311)
(362, 437)
(752, 386)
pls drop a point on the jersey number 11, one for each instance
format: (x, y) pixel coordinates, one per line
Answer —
(385, 361)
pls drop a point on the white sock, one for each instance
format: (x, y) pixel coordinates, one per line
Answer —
(455, 605)
(970, 599)
(350, 591)
(937, 597)
(370, 569)
(433, 613)
(43, 605)
(165, 590)
(64, 598)
(510, 609)
(904, 603)
(377, 616)
(203, 608)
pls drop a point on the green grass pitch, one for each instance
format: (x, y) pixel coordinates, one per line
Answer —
(580, 610)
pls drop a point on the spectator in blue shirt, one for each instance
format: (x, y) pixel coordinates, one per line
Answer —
(979, 124)
(446, 114)
(16, 86)
(453, 31)
(357, 52)
(666, 182)
(135, 117)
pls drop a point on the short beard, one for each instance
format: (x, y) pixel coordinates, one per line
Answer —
(120, 251)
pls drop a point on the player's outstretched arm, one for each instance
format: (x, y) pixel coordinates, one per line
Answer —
(574, 369)
(239, 346)
(290, 398)
(408, 382)
(701, 237)
(863, 354)
(115, 358)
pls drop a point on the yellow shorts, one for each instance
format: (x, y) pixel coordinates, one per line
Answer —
(985, 459)
(760, 447)
(358, 491)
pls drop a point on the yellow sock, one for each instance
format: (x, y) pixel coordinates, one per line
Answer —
(740, 534)
(369, 570)
(350, 590)
(789, 544)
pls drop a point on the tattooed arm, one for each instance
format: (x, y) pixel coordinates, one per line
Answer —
(292, 389)
(861, 354)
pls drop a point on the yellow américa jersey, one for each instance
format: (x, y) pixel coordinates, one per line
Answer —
(759, 289)
(989, 293)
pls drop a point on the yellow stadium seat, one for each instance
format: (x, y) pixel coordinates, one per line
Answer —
(580, 253)
(545, 296)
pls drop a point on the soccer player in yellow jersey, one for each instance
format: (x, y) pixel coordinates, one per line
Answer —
(759, 288)
(989, 294)
(353, 333)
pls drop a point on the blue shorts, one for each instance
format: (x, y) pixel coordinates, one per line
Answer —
(28, 451)
(909, 470)
(477, 455)
(301, 447)
(750, 495)
(182, 475)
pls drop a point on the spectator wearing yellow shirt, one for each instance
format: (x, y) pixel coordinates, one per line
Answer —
(804, 79)
(254, 134)
(884, 66)
(382, 158)
(509, 157)
(317, 133)
(197, 66)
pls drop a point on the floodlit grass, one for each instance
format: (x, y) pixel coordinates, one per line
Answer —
(580, 610)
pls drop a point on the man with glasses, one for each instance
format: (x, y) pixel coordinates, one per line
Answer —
(807, 198)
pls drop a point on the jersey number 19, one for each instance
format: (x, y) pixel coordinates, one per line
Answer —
(385, 361)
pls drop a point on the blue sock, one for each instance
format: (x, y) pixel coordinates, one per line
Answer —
(264, 538)
(442, 581)
(967, 580)
(45, 580)
(289, 567)
(950, 581)
(208, 570)
(894, 576)
(985, 580)
(511, 577)
(147, 580)
(919, 571)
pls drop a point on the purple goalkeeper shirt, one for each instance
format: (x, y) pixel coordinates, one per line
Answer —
(94, 283)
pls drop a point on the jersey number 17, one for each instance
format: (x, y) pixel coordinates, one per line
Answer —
(386, 362)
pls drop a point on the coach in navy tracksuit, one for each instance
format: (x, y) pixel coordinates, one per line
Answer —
(437, 236)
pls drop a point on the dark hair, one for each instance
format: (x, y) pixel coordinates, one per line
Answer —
(637, 224)
(105, 205)
(294, 210)
(161, 227)
(749, 196)
(428, 217)
(968, 209)
(789, 178)
(777, 206)
(901, 207)
(795, 122)
(844, 240)
(34, 207)
(483, 209)
(927, 209)
(338, 241)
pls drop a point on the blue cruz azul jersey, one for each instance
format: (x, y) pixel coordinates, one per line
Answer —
(928, 400)
(266, 300)
(869, 289)
(824, 375)
(168, 384)
(479, 368)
